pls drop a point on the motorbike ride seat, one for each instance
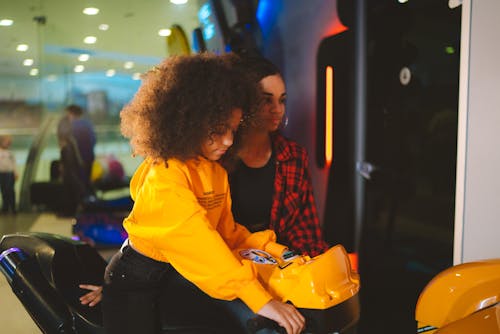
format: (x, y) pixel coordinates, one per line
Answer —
(44, 271)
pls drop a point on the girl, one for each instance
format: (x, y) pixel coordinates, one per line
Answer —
(182, 120)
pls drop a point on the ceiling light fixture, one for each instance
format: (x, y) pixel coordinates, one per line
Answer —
(90, 40)
(83, 57)
(136, 76)
(128, 65)
(110, 73)
(103, 27)
(179, 2)
(6, 22)
(28, 62)
(164, 32)
(79, 68)
(22, 47)
(34, 72)
(90, 11)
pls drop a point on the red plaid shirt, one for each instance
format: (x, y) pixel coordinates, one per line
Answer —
(294, 216)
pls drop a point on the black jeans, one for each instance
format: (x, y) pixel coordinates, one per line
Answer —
(131, 293)
(7, 180)
(142, 295)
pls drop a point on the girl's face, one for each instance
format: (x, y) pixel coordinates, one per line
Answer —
(218, 143)
(272, 109)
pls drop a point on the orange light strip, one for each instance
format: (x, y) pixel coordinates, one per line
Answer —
(329, 116)
(353, 258)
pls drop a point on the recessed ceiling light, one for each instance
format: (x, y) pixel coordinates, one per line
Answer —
(90, 11)
(22, 47)
(28, 62)
(90, 40)
(51, 77)
(34, 72)
(178, 2)
(103, 27)
(136, 76)
(83, 57)
(6, 22)
(128, 64)
(164, 32)
(110, 73)
(79, 68)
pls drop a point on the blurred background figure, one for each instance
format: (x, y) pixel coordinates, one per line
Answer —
(71, 168)
(83, 132)
(8, 175)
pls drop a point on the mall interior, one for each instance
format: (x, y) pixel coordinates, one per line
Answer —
(396, 102)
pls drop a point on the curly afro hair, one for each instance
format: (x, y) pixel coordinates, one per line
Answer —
(182, 102)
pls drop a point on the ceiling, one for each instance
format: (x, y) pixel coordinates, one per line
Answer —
(54, 31)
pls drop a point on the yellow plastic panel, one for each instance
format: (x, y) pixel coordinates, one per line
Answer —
(318, 283)
(458, 292)
(486, 321)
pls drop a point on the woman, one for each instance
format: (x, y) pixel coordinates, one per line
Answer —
(182, 120)
(268, 173)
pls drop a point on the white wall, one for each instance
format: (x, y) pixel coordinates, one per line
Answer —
(477, 221)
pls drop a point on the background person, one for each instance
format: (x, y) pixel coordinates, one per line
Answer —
(84, 134)
(181, 228)
(71, 169)
(8, 175)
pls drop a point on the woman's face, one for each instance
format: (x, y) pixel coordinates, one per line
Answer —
(218, 143)
(272, 109)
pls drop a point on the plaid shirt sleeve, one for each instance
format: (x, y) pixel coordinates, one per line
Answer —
(294, 215)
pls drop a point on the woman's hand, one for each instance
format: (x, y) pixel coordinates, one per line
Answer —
(93, 297)
(285, 315)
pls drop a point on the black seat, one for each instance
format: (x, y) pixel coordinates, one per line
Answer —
(44, 271)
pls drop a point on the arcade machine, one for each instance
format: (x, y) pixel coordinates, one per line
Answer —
(44, 271)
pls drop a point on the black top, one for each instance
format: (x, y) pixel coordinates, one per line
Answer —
(252, 194)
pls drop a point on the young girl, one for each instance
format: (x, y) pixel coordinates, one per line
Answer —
(182, 120)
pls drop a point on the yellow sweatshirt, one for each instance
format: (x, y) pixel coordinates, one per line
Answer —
(182, 215)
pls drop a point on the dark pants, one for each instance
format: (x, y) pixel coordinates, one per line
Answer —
(7, 180)
(140, 294)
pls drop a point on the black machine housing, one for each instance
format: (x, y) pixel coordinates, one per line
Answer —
(44, 271)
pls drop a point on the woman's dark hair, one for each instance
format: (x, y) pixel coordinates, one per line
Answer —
(256, 67)
(182, 101)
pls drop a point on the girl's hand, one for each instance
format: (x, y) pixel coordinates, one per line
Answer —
(93, 297)
(285, 315)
